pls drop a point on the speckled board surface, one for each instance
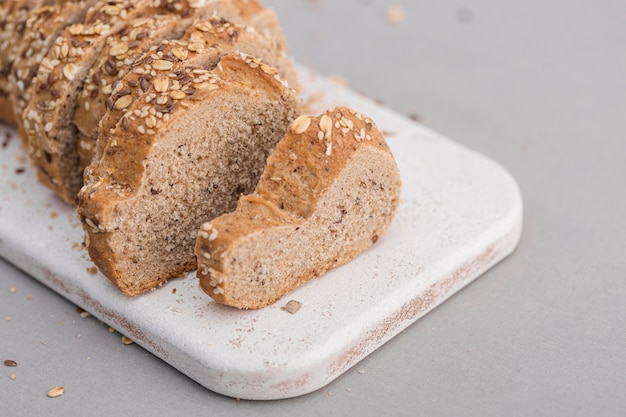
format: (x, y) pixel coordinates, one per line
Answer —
(460, 214)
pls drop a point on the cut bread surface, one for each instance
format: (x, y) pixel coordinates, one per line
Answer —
(329, 191)
(160, 178)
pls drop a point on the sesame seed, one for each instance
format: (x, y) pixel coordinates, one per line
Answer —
(161, 84)
(56, 392)
(151, 121)
(177, 95)
(123, 102)
(68, 71)
(326, 124)
(76, 29)
(196, 47)
(301, 124)
(119, 49)
(162, 65)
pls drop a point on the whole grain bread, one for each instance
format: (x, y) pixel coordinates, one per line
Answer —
(202, 45)
(42, 28)
(121, 50)
(329, 191)
(162, 174)
(49, 118)
(13, 16)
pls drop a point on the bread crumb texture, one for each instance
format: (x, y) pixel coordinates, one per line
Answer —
(328, 192)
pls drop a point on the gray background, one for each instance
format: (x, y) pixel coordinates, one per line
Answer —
(539, 86)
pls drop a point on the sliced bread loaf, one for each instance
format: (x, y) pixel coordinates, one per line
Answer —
(177, 159)
(49, 120)
(48, 117)
(329, 191)
(42, 28)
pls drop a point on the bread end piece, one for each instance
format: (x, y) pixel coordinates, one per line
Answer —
(329, 191)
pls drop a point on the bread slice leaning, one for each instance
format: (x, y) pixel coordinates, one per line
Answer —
(329, 191)
(163, 173)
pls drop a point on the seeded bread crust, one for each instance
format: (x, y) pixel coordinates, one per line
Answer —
(42, 28)
(328, 192)
(13, 16)
(121, 50)
(202, 46)
(160, 176)
(49, 117)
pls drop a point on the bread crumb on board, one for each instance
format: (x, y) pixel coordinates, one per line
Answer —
(292, 306)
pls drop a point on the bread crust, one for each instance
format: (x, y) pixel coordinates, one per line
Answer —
(13, 16)
(49, 117)
(332, 182)
(117, 182)
(42, 28)
(114, 62)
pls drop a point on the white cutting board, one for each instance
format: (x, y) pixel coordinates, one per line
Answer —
(460, 214)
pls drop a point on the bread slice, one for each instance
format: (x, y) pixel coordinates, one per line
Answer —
(52, 134)
(202, 45)
(48, 117)
(121, 50)
(13, 16)
(176, 160)
(329, 191)
(42, 28)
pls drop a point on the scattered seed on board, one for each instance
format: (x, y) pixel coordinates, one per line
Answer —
(293, 306)
(10, 362)
(127, 340)
(56, 392)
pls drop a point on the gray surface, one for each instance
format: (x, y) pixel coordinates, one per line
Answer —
(538, 86)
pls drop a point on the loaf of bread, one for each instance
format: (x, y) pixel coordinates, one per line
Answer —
(156, 116)
(328, 192)
(160, 176)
